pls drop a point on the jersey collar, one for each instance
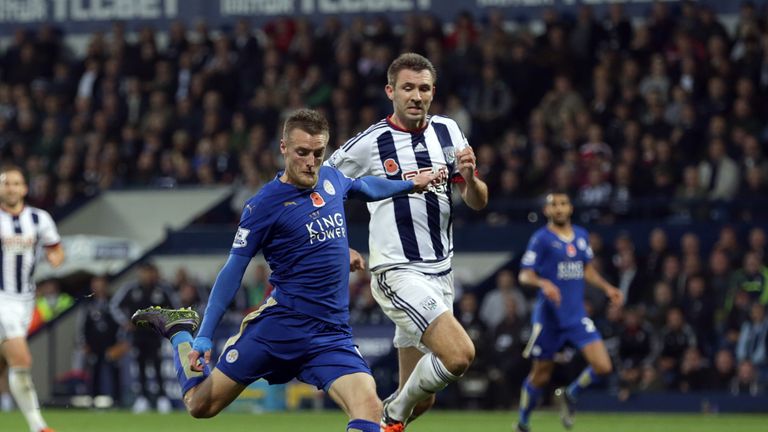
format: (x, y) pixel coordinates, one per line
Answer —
(401, 129)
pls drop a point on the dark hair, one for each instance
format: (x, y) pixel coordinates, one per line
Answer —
(410, 61)
(310, 121)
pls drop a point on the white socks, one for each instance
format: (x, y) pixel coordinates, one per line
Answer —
(428, 377)
(20, 382)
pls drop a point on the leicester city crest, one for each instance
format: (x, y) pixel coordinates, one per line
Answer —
(328, 187)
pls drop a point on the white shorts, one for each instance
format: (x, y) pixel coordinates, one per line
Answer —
(15, 316)
(412, 300)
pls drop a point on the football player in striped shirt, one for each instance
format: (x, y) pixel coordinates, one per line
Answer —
(411, 236)
(24, 231)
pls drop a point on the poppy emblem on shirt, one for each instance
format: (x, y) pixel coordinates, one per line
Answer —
(570, 250)
(391, 167)
(317, 199)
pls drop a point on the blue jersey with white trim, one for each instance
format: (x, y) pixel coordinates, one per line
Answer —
(413, 230)
(562, 262)
(303, 236)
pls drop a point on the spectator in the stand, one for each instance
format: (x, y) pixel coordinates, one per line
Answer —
(753, 339)
(490, 101)
(663, 301)
(693, 371)
(719, 276)
(728, 241)
(719, 173)
(724, 371)
(746, 381)
(671, 273)
(50, 302)
(676, 337)
(631, 281)
(148, 290)
(758, 242)
(752, 279)
(561, 103)
(494, 305)
(699, 310)
(507, 370)
(659, 249)
(635, 348)
(102, 345)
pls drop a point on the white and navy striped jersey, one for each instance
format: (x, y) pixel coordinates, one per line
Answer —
(22, 237)
(413, 230)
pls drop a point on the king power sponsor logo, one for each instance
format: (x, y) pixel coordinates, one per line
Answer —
(326, 228)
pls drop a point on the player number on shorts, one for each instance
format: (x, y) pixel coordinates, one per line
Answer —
(589, 326)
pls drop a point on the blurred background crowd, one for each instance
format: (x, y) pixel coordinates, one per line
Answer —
(663, 117)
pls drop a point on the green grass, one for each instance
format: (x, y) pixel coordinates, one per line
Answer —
(334, 421)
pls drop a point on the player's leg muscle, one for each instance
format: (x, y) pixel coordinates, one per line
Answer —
(597, 356)
(212, 395)
(16, 353)
(449, 341)
(356, 395)
(541, 372)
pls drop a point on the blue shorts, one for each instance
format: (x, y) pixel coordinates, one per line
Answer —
(279, 344)
(548, 338)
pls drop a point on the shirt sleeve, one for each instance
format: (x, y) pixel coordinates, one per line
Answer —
(255, 223)
(353, 158)
(533, 253)
(49, 235)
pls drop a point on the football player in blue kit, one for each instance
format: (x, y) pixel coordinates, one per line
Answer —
(558, 262)
(302, 330)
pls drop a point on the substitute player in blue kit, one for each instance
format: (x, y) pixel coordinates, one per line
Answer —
(302, 330)
(558, 261)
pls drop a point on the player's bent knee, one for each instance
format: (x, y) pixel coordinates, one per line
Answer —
(459, 361)
(200, 408)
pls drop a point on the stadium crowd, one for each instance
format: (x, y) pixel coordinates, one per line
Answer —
(615, 112)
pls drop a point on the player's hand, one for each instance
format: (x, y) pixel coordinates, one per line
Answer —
(356, 261)
(467, 163)
(615, 296)
(200, 346)
(422, 181)
(550, 291)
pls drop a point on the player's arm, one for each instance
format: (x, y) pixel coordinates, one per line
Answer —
(371, 188)
(529, 277)
(592, 276)
(474, 191)
(224, 289)
(54, 254)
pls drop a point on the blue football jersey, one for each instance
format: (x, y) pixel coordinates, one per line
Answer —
(562, 262)
(303, 236)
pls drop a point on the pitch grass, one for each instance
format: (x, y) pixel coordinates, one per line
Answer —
(334, 421)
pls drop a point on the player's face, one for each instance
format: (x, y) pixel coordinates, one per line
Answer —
(558, 209)
(303, 156)
(13, 188)
(411, 97)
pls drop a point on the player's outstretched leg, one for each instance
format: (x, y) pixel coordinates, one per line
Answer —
(178, 326)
